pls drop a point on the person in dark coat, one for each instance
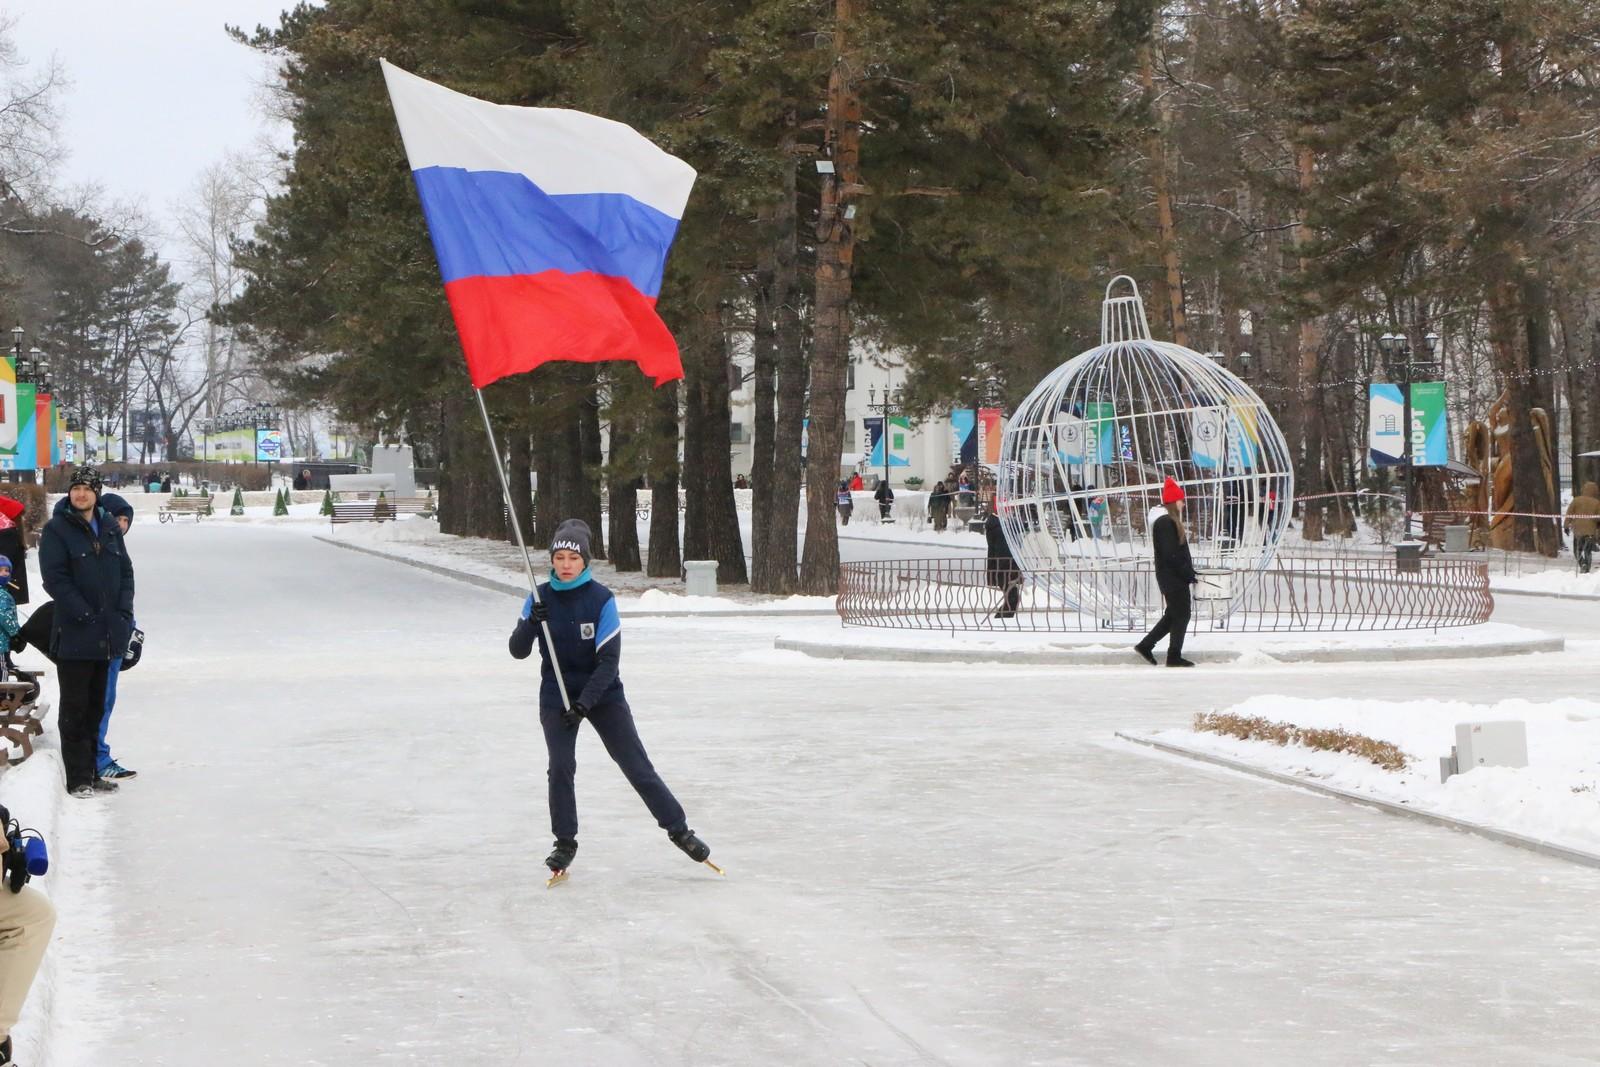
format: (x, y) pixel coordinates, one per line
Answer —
(586, 632)
(844, 502)
(885, 498)
(122, 511)
(939, 507)
(1003, 572)
(14, 546)
(1174, 574)
(87, 572)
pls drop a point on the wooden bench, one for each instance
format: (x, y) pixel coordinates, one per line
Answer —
(1433, 525)
(376, 510)
(184, 505)
(20, 717)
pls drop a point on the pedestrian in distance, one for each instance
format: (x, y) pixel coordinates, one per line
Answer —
(885, 498)
(1001, 566)
(574, 622)
(939, 507)
(1174, 575)
(845, 503)
(856, 485)
(87, 572)
(303, 479)
(1582, 522)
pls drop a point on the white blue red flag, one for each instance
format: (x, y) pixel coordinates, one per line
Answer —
(551, 227)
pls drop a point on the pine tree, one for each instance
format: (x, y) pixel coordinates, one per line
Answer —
(238, 502)
(280, 503)
(327, 502)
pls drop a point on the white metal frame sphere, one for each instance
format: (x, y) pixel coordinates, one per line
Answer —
(1090, 448)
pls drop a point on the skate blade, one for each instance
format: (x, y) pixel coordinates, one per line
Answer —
(555, 879)
(714, 867)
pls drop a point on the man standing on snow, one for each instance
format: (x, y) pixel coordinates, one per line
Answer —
(89, 577)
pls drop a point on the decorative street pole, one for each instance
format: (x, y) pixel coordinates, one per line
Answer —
(1397, 344)
(883, 407)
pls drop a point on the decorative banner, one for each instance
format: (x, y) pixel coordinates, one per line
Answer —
(27, 450)
(874, 425)
(1099, 418)
(1385, 410)
(1072, 439)
(989, 435)
(963, 436)
(44, 438)
(1429, 447)
(269, 446)
(8, 406)
(58, 427)
(1208, 438)
(69, 448)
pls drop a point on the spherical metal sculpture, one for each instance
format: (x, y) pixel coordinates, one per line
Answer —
(1085, 456)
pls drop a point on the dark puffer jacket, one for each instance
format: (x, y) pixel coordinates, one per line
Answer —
(90, 578)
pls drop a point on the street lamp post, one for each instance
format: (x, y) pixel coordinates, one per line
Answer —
(889, 403)
(1399, 345)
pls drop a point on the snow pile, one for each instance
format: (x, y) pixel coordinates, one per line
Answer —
(659, 600)
(1556, 797)
(1565, 580)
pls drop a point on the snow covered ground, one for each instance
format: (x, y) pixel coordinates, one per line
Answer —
(1555, 798)
(333, 854)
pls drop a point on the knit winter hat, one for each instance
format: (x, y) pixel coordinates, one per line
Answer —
(5, 564)
(86, 475)
(574, 535)
(1171, 491)
(11, 507)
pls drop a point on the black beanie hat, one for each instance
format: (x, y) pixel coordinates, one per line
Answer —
(572, 534)
(86, 475)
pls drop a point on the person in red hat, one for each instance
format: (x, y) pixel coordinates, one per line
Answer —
(1174, 574)
(14, 546)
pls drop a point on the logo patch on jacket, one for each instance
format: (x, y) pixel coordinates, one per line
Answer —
(586, 630)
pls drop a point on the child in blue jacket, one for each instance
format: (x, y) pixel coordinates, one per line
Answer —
(587, 635)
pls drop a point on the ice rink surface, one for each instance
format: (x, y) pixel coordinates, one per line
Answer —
(333, 855)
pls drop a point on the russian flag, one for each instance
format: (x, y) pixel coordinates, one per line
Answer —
(551, 227)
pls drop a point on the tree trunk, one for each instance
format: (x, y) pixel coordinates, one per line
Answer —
(764, 350)
(1312, 482)
(664, 559)
(591, 458)
(521, 477)
(711, 525)
(787, 462)
(1156, 148)
(623, 492)
(819, 568)
(470, 501)
(1528, 495)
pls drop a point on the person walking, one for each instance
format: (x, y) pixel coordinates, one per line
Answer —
(939, 507)
(856, 485)
(586, 633)
(87, 572)
(1174, 574)
(1581, 521)
(1003, 572)
(885, 498)
(844, 502)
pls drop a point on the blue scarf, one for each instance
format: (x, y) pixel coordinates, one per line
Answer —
(560, 586)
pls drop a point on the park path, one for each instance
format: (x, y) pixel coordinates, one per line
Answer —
(332, 856)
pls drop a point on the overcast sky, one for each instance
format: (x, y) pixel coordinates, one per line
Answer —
(158, 90)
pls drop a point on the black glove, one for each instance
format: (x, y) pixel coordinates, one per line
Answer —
(535, 610)
(571, 717)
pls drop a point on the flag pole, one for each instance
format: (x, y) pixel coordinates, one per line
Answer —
(516, 526)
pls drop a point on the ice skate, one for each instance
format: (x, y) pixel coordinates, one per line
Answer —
(559, 860)
(694, 848)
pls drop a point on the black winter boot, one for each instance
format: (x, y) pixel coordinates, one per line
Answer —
(561, 858)
(692, 846)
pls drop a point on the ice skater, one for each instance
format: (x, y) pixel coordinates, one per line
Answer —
(587, 637)
(1174, 574)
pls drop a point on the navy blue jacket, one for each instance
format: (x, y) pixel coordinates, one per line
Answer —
(587, 633)
(1174, 564)
(90, 578)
